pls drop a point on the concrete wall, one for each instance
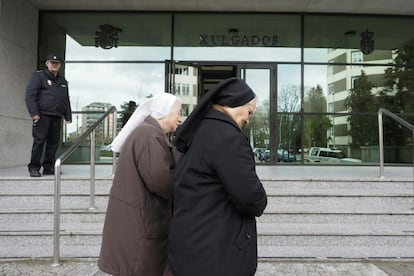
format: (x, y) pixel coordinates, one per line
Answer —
(18, 57)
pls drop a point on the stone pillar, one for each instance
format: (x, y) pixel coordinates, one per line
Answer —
(18, 56)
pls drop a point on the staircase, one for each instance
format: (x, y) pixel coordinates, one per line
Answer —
(26, 217)
(306, 217)
(337, 218)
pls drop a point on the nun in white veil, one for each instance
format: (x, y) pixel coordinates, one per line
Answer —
(157, 107)
(134, 240)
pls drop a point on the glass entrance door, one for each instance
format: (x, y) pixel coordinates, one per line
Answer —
(262, 79)
(190, 81)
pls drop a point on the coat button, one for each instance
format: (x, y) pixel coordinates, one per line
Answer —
(248, 236)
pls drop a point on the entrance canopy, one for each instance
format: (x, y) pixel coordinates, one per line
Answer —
(232, 30)
(396, 7)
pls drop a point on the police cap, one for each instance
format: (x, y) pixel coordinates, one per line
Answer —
(53, 58)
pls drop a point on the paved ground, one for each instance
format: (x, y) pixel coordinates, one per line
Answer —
(265, 268)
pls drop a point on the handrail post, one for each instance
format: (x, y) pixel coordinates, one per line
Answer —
(56, 217)
(413, 169)
(92, 171)
(114, 132)
(58, 163)
(381, 136)
(381, 143)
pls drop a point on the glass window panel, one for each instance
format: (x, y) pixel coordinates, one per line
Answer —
(258, 129)
(109, 85)
(327, 140)
(357, 57)
(316, 130)
(366, 89)
(288, 129)
(185, 79)
(363, 139)
(238, 37)
(363, 89)
(316, 88)
(356, 136)
(341, 96)
(377, 37)
(398, 140)
(140, 36)
(77, 52)
(253, 54)
(288, 88)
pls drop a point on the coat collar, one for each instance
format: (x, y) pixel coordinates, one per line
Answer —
(217, 115)
(50, 75)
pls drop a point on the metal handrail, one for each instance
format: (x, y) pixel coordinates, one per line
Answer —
(90, 132)
(381, 136)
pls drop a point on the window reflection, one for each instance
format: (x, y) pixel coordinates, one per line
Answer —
(109, 85)
(335, 33)
(258, 129)
(237, 37)
(333, 111)
(289, 88)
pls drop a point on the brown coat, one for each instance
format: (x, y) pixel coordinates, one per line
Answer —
(134, 240)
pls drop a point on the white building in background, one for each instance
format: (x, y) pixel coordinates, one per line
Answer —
(186, 88)
(341, 79)
(90, 114)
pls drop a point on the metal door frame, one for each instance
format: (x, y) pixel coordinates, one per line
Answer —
(241, 68)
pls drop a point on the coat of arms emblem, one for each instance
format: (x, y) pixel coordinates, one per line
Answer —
(367, 42)
(107, 37)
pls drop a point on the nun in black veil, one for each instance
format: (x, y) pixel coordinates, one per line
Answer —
(217, 194)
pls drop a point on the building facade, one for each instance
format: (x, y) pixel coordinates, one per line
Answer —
(321, 71)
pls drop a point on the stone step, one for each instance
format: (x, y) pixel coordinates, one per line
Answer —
(359, 251)
(33, 187)
(46, 228)
(275, 203)
(91, 235)
(274, 241)
(47, 216)
(338, 184)
(351, 187)
(333, 229)
(264, 252)
(361, 192)
(337, 209)
(338, 203)
(305, 218)
(326, 217)
(271, 192)
(46, 251)
(31, 202)
(263, 229)
(337, 240)
(98, 215)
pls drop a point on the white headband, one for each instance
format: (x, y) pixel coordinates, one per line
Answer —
(158, 107)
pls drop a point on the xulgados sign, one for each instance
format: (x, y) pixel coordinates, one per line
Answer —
(238, 40)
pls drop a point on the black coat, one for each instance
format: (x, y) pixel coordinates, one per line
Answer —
(48, 94)
(217, 196)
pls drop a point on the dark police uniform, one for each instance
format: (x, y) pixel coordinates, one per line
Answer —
(48, 96)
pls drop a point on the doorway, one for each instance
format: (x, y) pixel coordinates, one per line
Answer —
(191, 80)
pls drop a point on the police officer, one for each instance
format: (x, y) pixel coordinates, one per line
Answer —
(47, 100)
